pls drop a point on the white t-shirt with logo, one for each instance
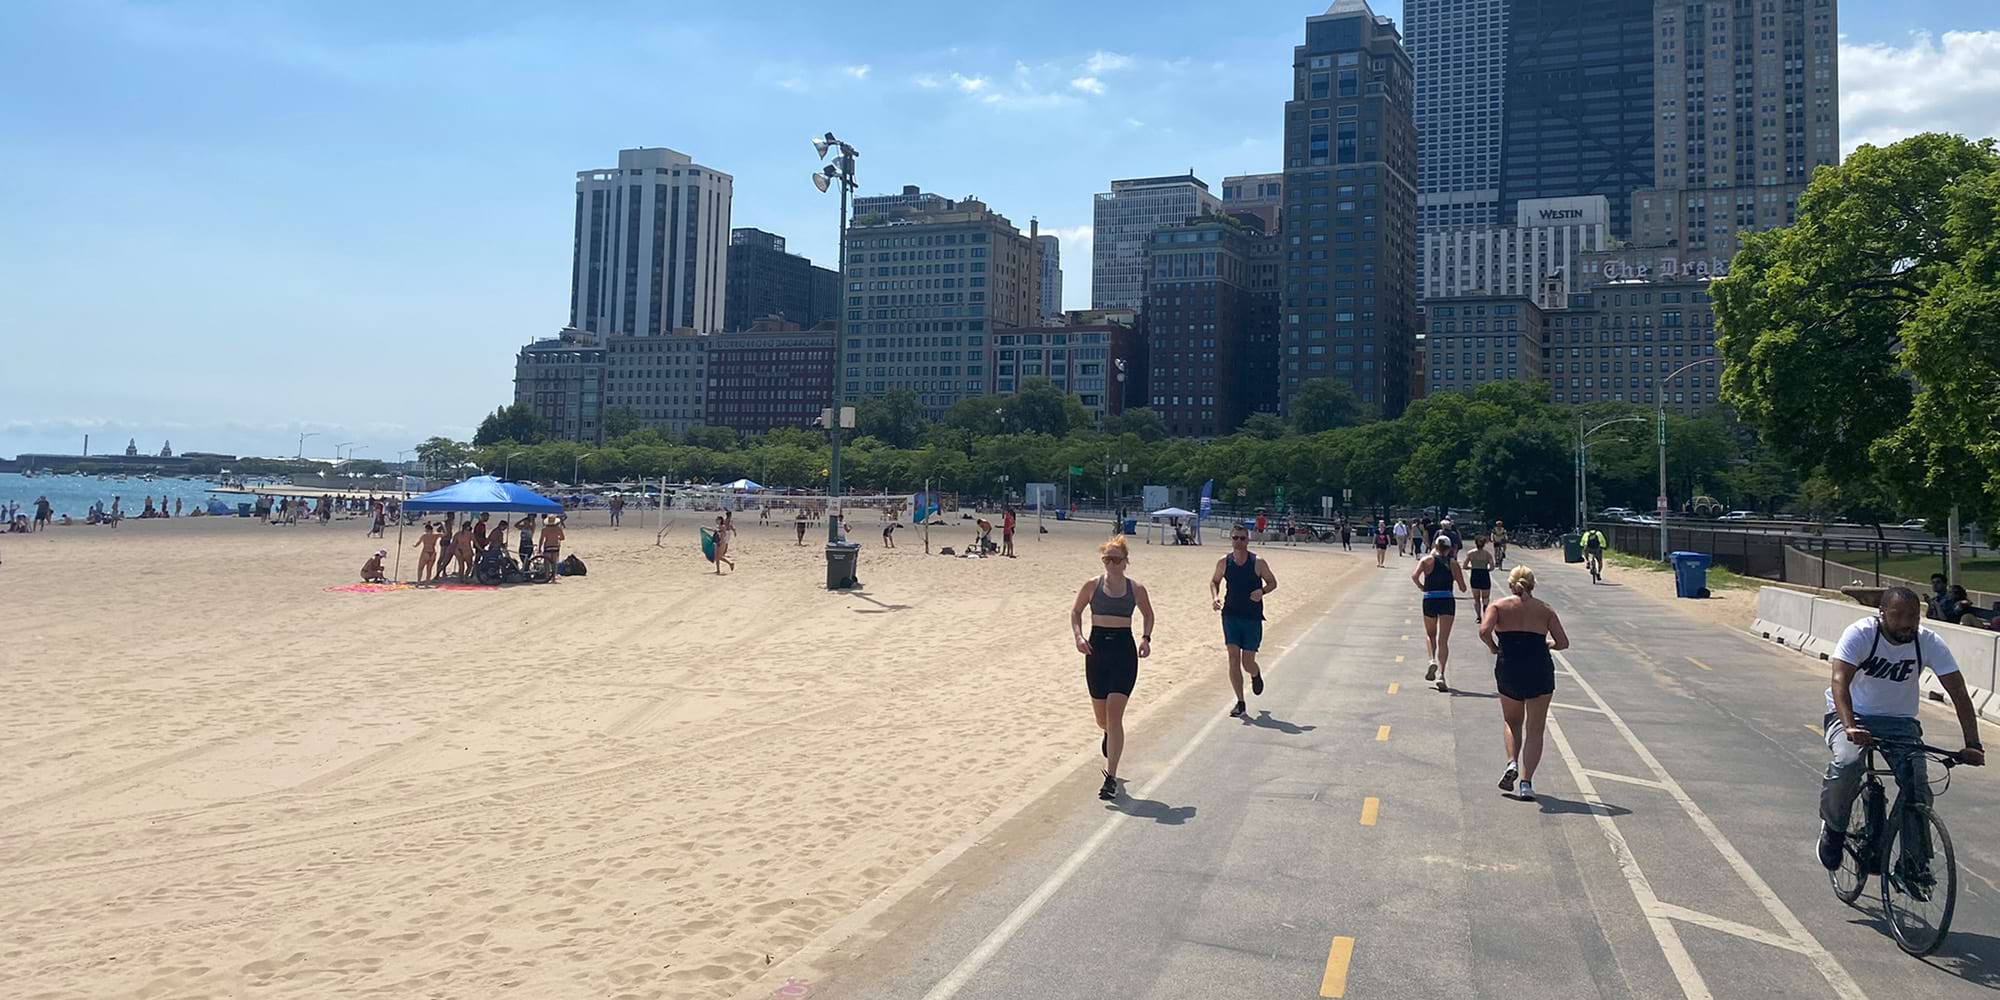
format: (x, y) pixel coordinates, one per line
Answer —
(1885, 680)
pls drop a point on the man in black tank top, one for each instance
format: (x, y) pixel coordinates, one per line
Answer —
(1249, 581)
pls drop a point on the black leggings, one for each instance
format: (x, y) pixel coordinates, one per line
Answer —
(1112, 665)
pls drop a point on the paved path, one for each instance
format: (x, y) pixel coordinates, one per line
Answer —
(1349, 841)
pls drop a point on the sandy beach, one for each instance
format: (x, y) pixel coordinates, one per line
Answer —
(219, 779)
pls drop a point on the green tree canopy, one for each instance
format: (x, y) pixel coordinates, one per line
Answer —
(895, 418)
(513, 422)
(1324, 404)
(620, 421)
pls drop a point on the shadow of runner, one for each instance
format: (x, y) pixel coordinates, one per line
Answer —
(1553, 806)
(1264, 720)
(1158, 812)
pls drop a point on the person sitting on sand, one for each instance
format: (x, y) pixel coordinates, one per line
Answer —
(372, 571)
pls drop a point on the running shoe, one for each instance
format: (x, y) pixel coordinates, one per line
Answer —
(1432, 673)
(1507, 777)
(1442, 687)
(1831, 842)
(1527, 792)
(1237, 712)
(1257, 683)
(1110, 789)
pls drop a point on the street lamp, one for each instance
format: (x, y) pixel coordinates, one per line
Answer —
(337, 448)
(1583, 464)
(838, 173)
(302, 441)
(1660, 397)
(577, 465)
(507, 464)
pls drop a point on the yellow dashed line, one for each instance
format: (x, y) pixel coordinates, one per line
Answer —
(1334, 983)
(1815, 730)
(1395, 686)
(1382, 735)
(1406, 637)
(1700, 664)
(1369, 807)
(1399, 656)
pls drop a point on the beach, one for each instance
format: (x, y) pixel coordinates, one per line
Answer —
(218, 778)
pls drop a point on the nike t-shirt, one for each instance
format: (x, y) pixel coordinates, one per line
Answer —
(1885, 678)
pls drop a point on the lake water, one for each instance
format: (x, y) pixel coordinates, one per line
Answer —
(73, 495)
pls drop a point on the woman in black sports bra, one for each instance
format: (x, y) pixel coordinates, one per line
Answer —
(1521, 631)
(1110, 657)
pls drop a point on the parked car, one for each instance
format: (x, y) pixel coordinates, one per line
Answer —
(1614, 513)
(1643, 519)
(1738, 515)
(1914, 524)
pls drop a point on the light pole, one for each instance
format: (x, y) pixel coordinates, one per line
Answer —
(351, 451)
(507, 465)
(838, 173)
(1660, 397)
(302, 441)
(576, 466)
(1583, 464)
(337, 449)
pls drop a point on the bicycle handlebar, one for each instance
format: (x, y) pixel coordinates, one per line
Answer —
(1949, 758)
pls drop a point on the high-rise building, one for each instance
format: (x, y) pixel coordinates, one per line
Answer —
(1577, 112)
(1082, 360)
(925, 291)
(1478, 339)
(1350, 218)
(1459, 51)
(562, 379)
(1746, 108)
(1261, 195)
(912, 200)
(663, 378)
(1122, 222)
(765, 281)
(1547, 240)
(650, 246)
(1051, 310)
(1210, 329)
(768, 376)
(1618, 340)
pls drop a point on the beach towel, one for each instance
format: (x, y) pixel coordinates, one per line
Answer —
(367, 588)
(708, 544)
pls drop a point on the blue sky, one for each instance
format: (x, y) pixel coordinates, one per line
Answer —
(231, 222)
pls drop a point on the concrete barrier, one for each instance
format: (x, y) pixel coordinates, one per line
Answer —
(1813, 625)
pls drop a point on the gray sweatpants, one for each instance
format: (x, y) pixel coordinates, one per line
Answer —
(1844, 772)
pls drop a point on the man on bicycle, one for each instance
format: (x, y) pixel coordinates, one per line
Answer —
(1873, 700)
(1593, 553)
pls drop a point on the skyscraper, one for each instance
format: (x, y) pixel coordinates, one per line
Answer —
(1052, 285)
(1209, 324)
(1747, 107)
(1577, 115)
(650, 246)
(1122, 222)
(1458, 49)
(926, 289)
(1261, 195)
(1350, 218)
(766, 281)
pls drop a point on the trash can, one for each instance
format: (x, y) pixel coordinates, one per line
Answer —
(1690, 573)
(242, 510)
(1062, 515)
(1572, 548)
(840, 562)
(1131, 526)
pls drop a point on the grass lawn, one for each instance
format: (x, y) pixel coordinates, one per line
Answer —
(1718, 577)
(1979, 574)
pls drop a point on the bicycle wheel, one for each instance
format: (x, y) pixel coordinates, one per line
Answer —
(1852, 875)
(1920, 888)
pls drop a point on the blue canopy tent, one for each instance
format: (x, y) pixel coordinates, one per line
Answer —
(744, 485)
(480, 493)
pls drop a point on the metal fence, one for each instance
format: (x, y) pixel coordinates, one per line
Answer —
(1823, 561)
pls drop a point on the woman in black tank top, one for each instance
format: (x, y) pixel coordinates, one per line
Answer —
(1110, 657)
(1436, 575)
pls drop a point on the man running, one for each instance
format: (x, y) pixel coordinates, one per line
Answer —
(1249, 581)
(1593, 553)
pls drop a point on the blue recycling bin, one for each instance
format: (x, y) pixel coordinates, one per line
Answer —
(1062, 515)
(1690, 573)
(1131, 526)
(243, 510)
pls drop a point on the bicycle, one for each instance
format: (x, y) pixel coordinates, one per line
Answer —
(1595, 563)
(1916, 893)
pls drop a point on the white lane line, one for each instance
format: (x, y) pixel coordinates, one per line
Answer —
(968, 967)
(1575, 708)
(1726, 926)
(1829, 968)
(1627, 779)
(1678, 960)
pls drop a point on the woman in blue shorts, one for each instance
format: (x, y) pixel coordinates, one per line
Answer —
(1435, 575)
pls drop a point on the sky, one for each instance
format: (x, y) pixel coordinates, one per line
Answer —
(227, 224)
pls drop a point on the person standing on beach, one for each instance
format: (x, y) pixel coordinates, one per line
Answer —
(479, 533)
(446, 542)
(552, 539)
(1007, 530)
(379, 525)
(116, 514)
(1249, 580)
(462, 550)
(617, 510)
(1110, 658)
(427, 558)
(1402, 533)
(43, 513)
(722, 538)
(800, 523)
(527, 526)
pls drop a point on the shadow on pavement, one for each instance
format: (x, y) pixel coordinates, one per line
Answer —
(1974, 958)
(1158, 812)
(1265, 721)
(1463, 693)
(1553, 806)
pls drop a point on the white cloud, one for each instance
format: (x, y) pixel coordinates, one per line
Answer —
(969, 84)
(927, 81)
(1891, 92)
(792, 83)
(1100, 63)
(1076, 241)
(1088, 84)
(858, 72)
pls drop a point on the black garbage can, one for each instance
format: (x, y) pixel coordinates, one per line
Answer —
(840, 563)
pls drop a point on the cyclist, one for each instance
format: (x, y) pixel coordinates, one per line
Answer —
(1876, 669)
(1593, 553)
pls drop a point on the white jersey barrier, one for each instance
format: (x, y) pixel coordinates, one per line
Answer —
(1813, 626)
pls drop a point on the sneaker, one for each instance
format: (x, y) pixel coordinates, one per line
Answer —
(1442, 687)
(1507, 777)
(1432, 673)
(1237, 712)
(1257, 683)
(1527, 792)
(1831, 842)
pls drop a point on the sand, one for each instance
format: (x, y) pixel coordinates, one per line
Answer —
(219, 779)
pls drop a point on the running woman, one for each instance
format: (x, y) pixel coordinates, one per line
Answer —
(1249, 580)
(1435, 575)
(1381, 543)
(1110, 658)
(1521, 630)
(1479, 567)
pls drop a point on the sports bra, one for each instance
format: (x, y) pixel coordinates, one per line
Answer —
(1121, 606)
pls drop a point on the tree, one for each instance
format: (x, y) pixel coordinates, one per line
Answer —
(1324, 404)
(895, 418)
(1264, 426)
(711, 438)
(978, 416)
(1041, 408)
(620, 421)
(1838, 328)
(1141, 421)
(516, 422)
(442, 456)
